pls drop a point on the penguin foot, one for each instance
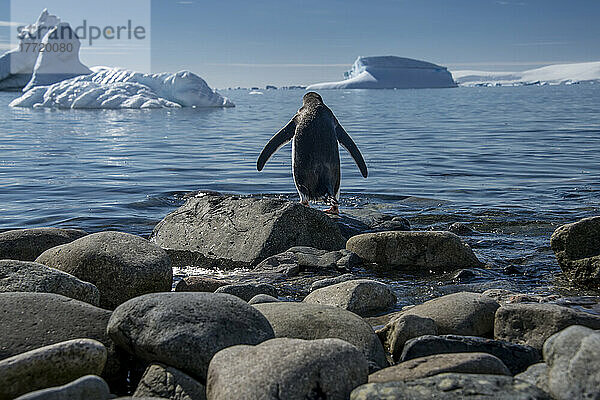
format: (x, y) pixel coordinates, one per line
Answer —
(335, 210)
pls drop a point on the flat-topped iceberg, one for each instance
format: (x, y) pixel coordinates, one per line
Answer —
(391, 72)
(118, 88)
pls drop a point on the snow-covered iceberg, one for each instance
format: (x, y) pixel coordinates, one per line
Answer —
(391, 72)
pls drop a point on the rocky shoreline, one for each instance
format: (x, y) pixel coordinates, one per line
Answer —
(96, 316)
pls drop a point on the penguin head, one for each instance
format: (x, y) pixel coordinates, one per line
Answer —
(312, 97)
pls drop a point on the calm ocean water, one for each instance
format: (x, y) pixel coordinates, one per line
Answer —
(513, 162)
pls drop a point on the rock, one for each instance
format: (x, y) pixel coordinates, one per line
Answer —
(379, 322)
(184, 330)
(26, 276)
(414, 251)
(263, 298)
(315, 321)
(331, 281)
(308, 259)
(466, 363)
(231, 231)
(532, 324)
(287, 369)
(451, 386)
(355, 221)
(398, 331)
(460, 229)
(577, 249)
(199, 284)
(516, 357)
(163, 381)
(122, 266)
(28, 244)
(89, 387)
(361, 296)
(537, 375)
(247, 291)
(48, 366)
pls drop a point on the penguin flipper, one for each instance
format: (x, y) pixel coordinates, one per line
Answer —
(346, 141)
(279, 139)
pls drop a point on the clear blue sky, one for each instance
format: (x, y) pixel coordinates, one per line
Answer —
(244, 43)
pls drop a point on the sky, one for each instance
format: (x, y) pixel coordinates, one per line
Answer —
(286, 42)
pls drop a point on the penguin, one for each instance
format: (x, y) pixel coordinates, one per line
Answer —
(315, 133)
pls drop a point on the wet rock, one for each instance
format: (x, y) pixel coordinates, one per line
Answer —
(49, 366)
(504, 296)
(361, 296)
(184, 330)
(89, 387)
(122, 266)
(537, 375)
(247, 291)
(464, 275)
(354, 221)
(460, 229)
(398, 331)
(577, 249)
(263, 298)
(331, 281)
(532, 324)
(230, 231)
(26, 276)
(287, 369)
(466, 363)
(199, 284)
(28, 244)
(163, 381)
(315, 321)
(451, 386)
(414, 251)
(516, 357)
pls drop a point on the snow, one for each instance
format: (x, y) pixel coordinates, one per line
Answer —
(391, 72)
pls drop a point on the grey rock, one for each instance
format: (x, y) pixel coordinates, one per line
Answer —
(414, 251)
(331, 281)
(122, 266)
(89, 387)
(516, 357)
(28, 244)
(163, 381)
(263, 298)
(355, 221)
(452, 386)
(48, 366)
(460, 229)
(364, 297)
(26, 276)
(231, 231)
(466, 363)
(247, 291)
(398, 331)
(379, 322)
(287, 369)
(315, 321)
(199, 284)
(140, 398)
(537, 375)
(184, 330)
(532, 324)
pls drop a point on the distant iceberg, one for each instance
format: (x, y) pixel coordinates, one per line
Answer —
(391, 72)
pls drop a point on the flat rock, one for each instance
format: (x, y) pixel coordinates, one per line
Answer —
(414, 250)
(51, 365)
(199, 284)
(532, 324)
(28, 244)
(537, 375)
(160, 380)
(354, 221)
(122, 266)
(263, 298)
(287, 369)
(184, 330)
(364, 297)
(27, 276)
(321, 283)
(89, 387)
(398, 331)
(247, 291)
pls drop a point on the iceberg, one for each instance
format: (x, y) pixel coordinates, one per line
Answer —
(391, 72)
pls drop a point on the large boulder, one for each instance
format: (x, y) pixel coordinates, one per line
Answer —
(89, 387)
(414, 250)
(48, 366)
(577, 249)
(163, 381)
(230, 231)
(185, 329)
(122, 266)
(291, 369)
(398, 331)
(28, 244)
(27, 276)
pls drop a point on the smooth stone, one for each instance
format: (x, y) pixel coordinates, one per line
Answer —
(121, 265)
(398, 331)
(331, 281)
(163, 381)
(537, 375)
(414, 250)
(27, 276)
(48, 366)
(516, 357)
(184, 330)
(89, 387)
(199, 284)
(364, 297)
(466, 363)
(247, 291)
(28, 244)
(532, 324)
(263, 298)
(291, 369)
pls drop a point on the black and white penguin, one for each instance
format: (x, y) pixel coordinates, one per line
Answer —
(315, 133)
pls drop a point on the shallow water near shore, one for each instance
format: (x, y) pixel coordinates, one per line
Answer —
(512, 163)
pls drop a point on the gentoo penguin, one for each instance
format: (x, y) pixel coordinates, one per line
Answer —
(315, 133)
